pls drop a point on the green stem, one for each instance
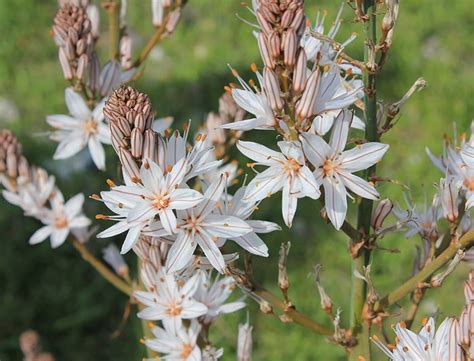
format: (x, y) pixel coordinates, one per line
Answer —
(295, 315)
(101, 268)
(466, 241)
(359, 287)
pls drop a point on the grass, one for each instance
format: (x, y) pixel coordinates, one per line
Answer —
(76, 312)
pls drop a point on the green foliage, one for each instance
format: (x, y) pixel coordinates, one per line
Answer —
(76, 312)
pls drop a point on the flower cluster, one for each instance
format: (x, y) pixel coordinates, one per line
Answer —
(35, 192)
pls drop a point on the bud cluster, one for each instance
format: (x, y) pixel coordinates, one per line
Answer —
(73, 34)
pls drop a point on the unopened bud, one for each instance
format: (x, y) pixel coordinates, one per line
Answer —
(308, 99)
(264, 51)
(272, 89)
(383, 209)
(289, 48)
(244, 342)
(438, 279)
(449, 188)
(283, 281)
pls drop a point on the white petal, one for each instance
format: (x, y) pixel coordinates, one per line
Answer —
(315, 149)
(58, 237)
(212, 252)
(289, 204)
(259, 153)
(340, 131)
(97, 152)
(252, 243)
(79, 222)
(263, 226)
(152, 176)
(362, 156)
(265, 184)
(359, 186)
(118, 228)
(144, 211)
(98, 112)
(168, 220)
(226, 226)
(40, 235)
(184, 198)
(180, 252)
(309, 185)
(131, 239)
(70, 146)
(335, 200)
(76, 105)
(61, 121)
(74, 205)
(193, 309)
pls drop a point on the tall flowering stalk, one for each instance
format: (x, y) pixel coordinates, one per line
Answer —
(177, 201)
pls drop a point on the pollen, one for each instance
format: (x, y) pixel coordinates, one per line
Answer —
(169, 168)
(174, 310)
(187, 350)
(110, 183)
(253, 67)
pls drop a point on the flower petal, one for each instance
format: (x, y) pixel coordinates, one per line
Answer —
(362, 156)
(335, 200)
(76, 105)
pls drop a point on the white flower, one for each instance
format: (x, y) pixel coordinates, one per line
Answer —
(423, 222)
(199, 226)
(158, 194)
(214, 294)
(255, 102)
(60, 220)
(323, 123)
(83, 128)
(210, 353)
(334, 166)
(427, 345)
(31, 195)
(286, 170)
(170, 302)
(236, 206)
(176, 345)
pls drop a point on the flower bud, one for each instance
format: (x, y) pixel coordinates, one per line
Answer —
(449, 188)
(272, 89)
(244, 342)
(383, 209)
(305, 106)
(290, 45)
(113, 257)
(264, 51)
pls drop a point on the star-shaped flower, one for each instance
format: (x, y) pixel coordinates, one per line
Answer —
(286, 170)
(83, 128)
(169, 302)
(334, 166)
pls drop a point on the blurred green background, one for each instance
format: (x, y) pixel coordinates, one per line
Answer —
(76, 311)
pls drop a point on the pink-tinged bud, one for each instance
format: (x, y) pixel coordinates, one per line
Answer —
(118, 138)
(469, 289)
(149, 145)
(82, 66)
(383, 209)
(305, 106)
(466, 322)
(290, 45)
(298, 19)
(129, 165)
(94, 73)
(244, 343)
(449, 195)
(272, 89)
(287, 18)
(157, 12)
(267, 14)
(65, 66)
(299, 74)
(136, 143)
(274, 44)
(173, 20)
(264, 25)
(264, 51)
(283, 281)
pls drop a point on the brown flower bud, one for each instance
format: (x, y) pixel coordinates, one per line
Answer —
(264, 51)
(272, 89)
(305, 106)
(290, 45)
(299, 74)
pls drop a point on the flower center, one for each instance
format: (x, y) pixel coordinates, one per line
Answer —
(174, 310)
(160, 201)
(61, 222)
(90, 126)
(469, 184)
(187, 349)
(328, 167)
(292, 166)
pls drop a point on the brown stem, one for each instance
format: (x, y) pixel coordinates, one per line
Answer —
(101, 268)
(155, 39)
(113, 7)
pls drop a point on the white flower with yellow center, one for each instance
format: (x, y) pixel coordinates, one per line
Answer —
(171, 302)
(334, 166)
(82, 128)
(286, 170)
